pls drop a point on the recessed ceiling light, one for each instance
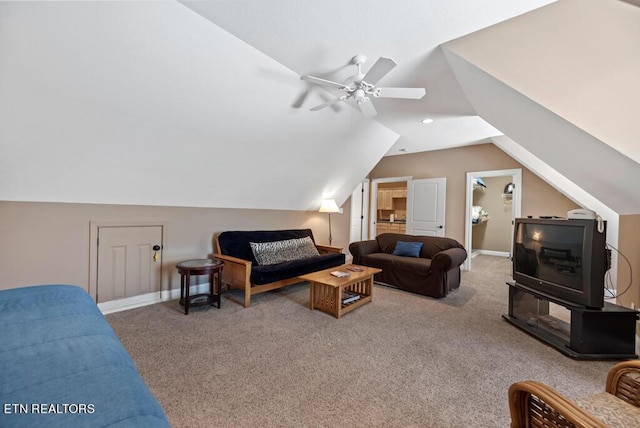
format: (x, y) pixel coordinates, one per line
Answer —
(427, 120)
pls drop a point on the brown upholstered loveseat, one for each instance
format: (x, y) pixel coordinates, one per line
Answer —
(435, 272)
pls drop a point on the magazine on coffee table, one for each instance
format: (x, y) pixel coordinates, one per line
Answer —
(339, 274)
(349, 296)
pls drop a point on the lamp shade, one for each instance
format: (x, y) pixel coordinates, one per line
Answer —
(329, 206)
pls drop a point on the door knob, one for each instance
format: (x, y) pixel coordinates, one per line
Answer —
(156, 248)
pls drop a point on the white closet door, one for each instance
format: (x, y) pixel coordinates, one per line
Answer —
(426, 206)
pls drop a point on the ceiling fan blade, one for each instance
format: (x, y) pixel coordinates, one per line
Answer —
(379, 70)
(366, 107)
(320, 81)
(412, 93)
(300, 99)
(327, 98)
(328, 103)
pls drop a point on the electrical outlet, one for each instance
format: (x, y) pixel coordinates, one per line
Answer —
(633, 305)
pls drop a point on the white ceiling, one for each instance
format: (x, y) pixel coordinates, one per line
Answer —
(319, 37)
(190, 104)
(194, 103)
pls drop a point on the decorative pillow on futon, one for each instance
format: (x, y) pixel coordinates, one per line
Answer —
(407, 249)
(270, 253)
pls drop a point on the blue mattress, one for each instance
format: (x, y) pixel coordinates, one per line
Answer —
(61, 364)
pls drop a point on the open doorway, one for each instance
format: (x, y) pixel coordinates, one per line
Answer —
(388, 202)
(493, 202)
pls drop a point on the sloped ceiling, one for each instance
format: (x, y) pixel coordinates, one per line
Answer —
(561, 81)
(169, 103)
(149, 103)
(319, 37)
(191, 103)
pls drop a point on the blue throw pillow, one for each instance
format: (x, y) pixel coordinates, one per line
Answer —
(408, 249)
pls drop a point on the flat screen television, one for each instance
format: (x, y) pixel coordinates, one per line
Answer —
(561, 259)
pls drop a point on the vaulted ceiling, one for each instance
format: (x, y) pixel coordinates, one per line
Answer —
(568, 95)
(201, 103)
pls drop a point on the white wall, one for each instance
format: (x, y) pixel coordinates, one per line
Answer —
(148, 103)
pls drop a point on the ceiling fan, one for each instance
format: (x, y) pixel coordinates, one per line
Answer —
(361, 86)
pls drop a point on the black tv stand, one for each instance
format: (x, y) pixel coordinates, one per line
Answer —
(592, 334)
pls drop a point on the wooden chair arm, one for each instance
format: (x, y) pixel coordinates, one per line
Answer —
(236, 274)
(532, 403)
(232, 259)
(623, 381)
(324, 249)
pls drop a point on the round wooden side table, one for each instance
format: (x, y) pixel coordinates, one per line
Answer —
(210, 267)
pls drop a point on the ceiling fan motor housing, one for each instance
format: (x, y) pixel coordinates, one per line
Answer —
(352, 82)
(358, 59)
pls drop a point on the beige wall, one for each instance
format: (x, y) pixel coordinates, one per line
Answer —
(47, 243)
(494, 234)
(629, 246)
(44, 243)
(538, 198)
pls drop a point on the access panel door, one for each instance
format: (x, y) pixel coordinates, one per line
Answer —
(129, 262)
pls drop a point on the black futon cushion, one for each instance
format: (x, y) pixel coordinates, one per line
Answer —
(237, 243)
(271, 273)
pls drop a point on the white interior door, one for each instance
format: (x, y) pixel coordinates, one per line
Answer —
(128, 264)
(426, 206)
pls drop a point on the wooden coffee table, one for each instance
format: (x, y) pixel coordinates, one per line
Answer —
(326, 289)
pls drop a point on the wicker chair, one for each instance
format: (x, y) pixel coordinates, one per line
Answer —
(533, 404)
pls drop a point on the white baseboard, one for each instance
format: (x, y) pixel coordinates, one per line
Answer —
(148, 299)
(490, 253)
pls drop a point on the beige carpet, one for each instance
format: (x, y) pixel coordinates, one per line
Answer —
(403, 360)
